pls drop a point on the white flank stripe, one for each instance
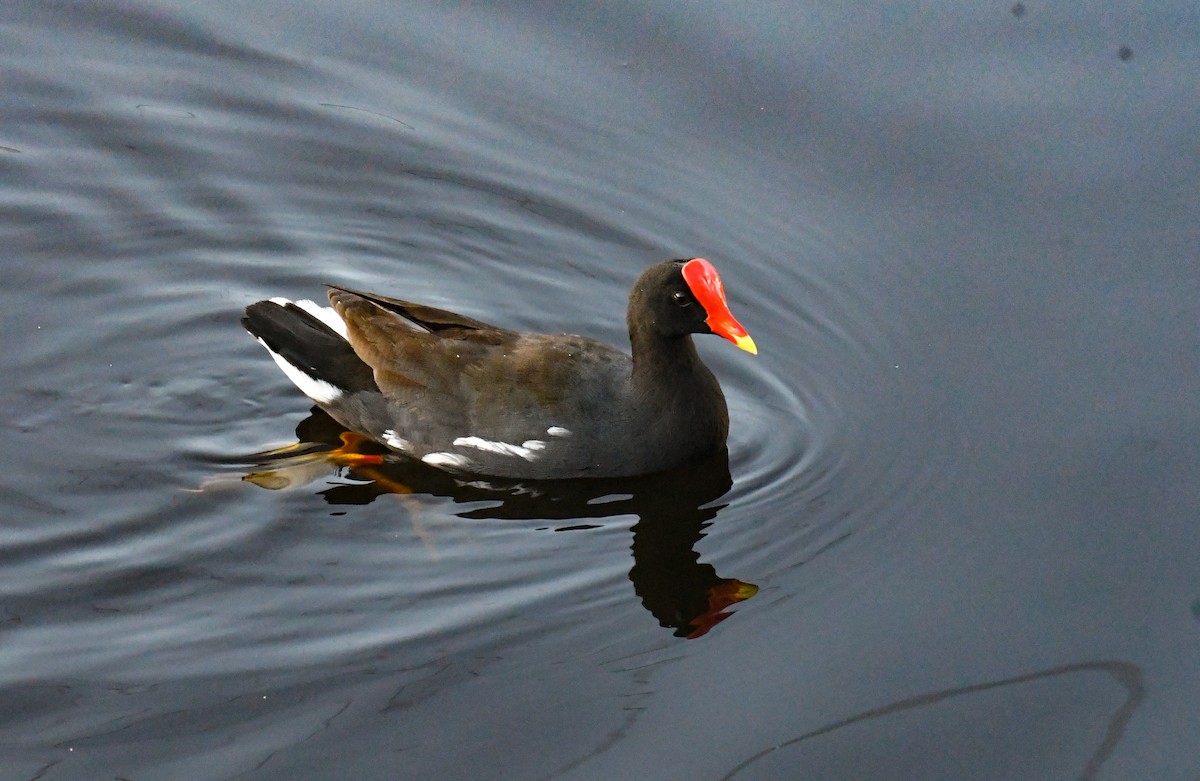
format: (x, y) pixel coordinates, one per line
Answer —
(446, 459)
(318, 390)
(526, 450)
(558, 431)
(399, 443)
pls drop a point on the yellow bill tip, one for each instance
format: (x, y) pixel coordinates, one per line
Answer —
(746, 343)
(745, 591)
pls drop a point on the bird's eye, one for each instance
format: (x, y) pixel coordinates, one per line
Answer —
(679, 298)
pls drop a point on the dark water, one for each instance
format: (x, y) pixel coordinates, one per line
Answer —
(963, 473)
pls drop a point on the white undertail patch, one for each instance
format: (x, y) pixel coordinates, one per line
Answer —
(526, 450)
(326, 314)
(558, 431)
(318, 390)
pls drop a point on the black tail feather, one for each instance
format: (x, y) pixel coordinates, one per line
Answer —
(308, 344)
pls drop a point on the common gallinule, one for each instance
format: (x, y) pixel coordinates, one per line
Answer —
(466, 396)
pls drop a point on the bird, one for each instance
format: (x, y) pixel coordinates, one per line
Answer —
(464, 396)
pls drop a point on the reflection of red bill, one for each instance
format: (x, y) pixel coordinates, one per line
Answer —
(722, 595)
(706, 286)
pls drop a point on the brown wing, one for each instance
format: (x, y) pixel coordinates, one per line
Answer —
(413, 348)
(427, 317)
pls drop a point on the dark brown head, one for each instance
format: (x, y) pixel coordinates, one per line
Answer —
(680, 297)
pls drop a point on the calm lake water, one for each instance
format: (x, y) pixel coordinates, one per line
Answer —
(956, 535)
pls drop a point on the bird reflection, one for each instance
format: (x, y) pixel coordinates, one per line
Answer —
(673, 509)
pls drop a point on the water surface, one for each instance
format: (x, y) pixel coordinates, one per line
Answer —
(955, 532)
